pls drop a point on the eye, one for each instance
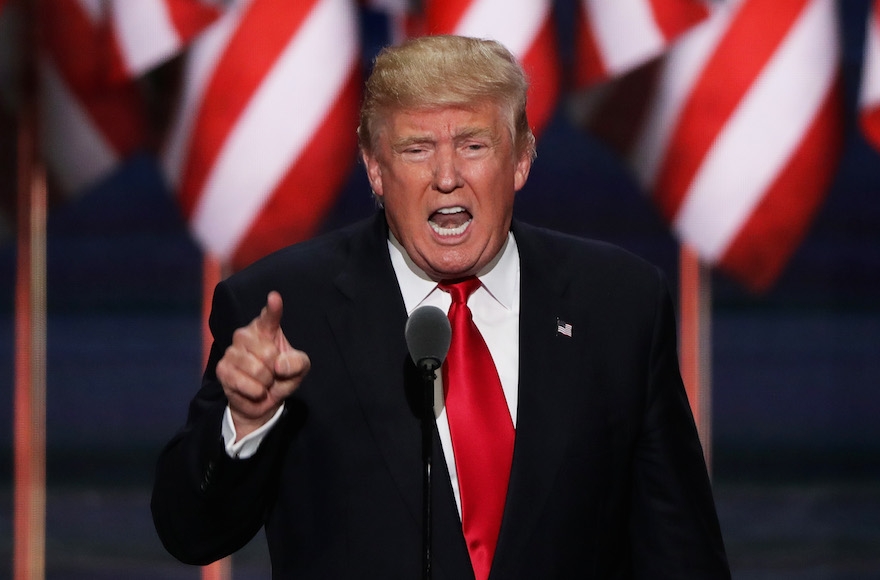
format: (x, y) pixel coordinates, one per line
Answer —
(474, 148)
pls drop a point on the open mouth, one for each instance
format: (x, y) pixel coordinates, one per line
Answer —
(450, 221)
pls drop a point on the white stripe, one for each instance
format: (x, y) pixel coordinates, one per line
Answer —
(75, 148)
(625, 32)
(277, 125)
(200, 65)
(763, 133)
(681, 68)
(513, 23)
(145, 33)
(869, 94)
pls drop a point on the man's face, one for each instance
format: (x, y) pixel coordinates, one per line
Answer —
(447, 178)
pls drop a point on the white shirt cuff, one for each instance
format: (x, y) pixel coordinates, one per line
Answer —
(250, 442)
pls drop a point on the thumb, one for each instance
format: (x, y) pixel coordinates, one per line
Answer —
(291, 364)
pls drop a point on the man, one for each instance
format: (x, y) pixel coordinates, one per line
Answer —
(305, 423)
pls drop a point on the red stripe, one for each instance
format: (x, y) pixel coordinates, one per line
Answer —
(870, 123)
(78, 49)
(541, 64)
(442, 16)
(305, 195)
(769, 237)
(246, 60)
(673, 18)
(760, 25)
(190, 17)
(591, 66)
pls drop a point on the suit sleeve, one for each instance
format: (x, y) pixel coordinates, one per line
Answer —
(674, 526)
(205, 504)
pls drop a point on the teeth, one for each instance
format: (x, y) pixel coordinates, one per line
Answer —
(451, 231)
(451, 210)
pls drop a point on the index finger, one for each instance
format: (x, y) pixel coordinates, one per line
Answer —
(269, 320)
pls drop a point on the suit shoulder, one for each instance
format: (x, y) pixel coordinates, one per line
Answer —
(601, 260)
(307, 260)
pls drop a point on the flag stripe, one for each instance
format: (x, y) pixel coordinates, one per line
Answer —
(305, 195)
(541, 64)
(139, 25)
(149, 32)
(674, 18)
(243, 68)
(762, 132)
(297, 83)
(525, 27)
(743, 143)
(616, 30)
(778, 221)
(442, 17)
(198, 70)
(718, 92)
(613, 38)
(190, 17)
(90, 124)
(513, 23)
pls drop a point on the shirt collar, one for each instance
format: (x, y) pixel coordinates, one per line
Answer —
(500, 277)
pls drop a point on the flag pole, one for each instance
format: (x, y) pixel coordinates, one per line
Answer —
(695, 306)
(29, 407)
(212, 273)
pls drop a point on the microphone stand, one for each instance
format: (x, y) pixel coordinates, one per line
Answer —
(428, 366)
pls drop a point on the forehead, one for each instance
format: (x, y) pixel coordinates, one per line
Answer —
(443, 120)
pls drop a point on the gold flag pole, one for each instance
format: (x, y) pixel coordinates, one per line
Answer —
(30, 323)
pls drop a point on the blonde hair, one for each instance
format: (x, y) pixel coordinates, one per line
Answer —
(446, 71)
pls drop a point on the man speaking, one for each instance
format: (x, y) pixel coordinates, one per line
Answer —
(564, 441)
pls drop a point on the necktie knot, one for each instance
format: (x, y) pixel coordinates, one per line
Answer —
(461, 290)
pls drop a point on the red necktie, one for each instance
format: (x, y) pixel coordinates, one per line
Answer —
(481, 428)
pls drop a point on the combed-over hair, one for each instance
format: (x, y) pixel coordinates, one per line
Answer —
(446, 71)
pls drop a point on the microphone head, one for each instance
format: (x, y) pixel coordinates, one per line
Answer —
(428, 335)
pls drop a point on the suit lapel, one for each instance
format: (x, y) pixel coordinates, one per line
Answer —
(549, 369)
(365, 326)
(369, 328)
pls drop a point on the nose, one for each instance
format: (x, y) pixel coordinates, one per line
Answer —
(447, 177)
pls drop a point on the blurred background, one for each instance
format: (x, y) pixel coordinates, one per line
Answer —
(795, 308)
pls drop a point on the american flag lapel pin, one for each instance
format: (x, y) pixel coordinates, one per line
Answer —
(563, 327)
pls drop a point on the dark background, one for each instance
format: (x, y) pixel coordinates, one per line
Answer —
(796, 371)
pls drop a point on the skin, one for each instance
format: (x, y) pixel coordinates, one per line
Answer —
(447, 178)
(458, 160)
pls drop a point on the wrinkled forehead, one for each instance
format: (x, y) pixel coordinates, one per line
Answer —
(486, 117)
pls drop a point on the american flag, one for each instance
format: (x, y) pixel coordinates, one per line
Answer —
(742, 131)
(264, 135)
(563, 327)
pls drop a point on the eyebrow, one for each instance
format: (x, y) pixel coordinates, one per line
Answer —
(467, 133)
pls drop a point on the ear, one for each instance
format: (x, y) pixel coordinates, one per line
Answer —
(374, 172)
(521, 171)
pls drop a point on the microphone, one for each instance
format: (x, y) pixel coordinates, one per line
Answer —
(428, 335)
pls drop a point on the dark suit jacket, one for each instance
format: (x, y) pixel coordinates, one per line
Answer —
(608, 479)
